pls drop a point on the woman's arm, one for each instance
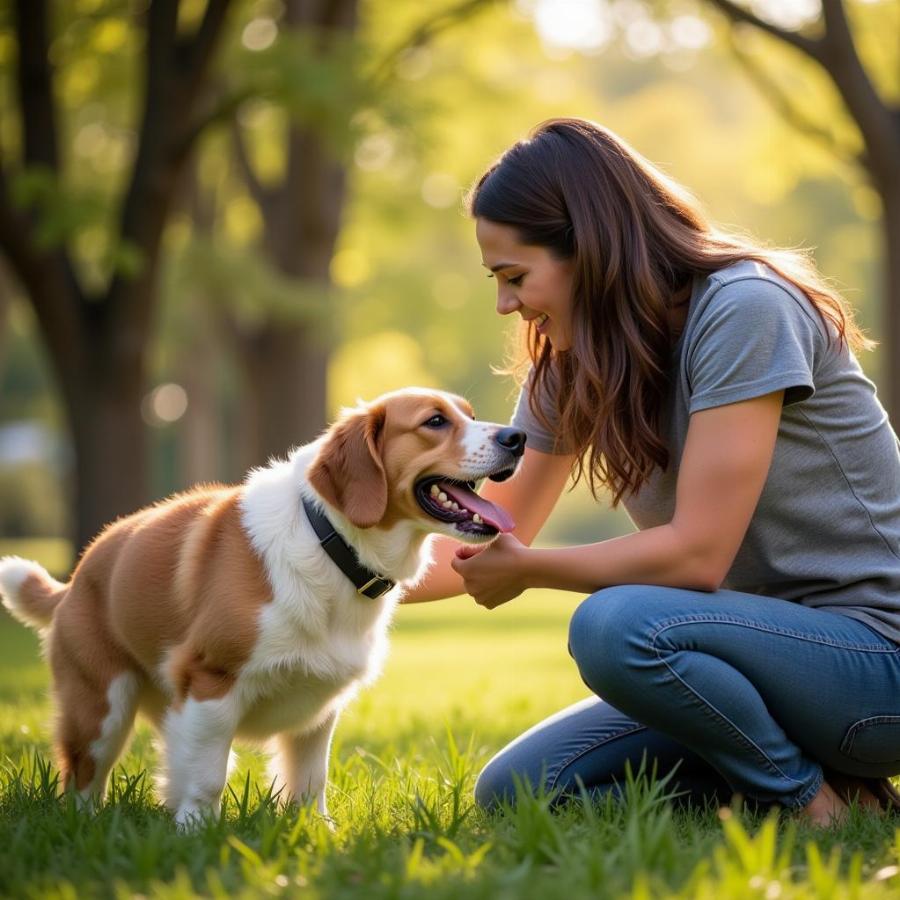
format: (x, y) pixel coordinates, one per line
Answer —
(724, 465)
(529, 497)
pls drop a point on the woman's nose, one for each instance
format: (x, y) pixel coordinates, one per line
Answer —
(507, 303)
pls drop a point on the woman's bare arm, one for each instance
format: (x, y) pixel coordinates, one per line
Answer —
(723, 468)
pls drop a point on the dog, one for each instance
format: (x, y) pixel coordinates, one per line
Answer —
(256, 610)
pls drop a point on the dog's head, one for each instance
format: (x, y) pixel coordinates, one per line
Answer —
(417, 454)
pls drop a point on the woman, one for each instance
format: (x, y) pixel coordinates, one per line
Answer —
(748, 632)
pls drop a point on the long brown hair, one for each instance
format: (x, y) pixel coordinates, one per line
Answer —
(637, 239)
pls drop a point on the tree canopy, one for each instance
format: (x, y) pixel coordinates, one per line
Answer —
(411, 105)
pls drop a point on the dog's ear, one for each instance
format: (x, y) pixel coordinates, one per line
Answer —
(348, 472)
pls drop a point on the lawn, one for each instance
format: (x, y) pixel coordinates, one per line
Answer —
(460, 682)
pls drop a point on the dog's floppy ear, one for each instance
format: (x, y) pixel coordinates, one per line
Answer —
(348, 472)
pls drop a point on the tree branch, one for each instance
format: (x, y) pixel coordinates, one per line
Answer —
(47, 280)
(836, 53)
(169, 104)
(872, 115)
(810, 46)
(35, 83)
(254, 186)
(427, 31)
(193, 54)
(791, 113)
(221, 111)
(330, 15)
(37, 110)
(162, 18)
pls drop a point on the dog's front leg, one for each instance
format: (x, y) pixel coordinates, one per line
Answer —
(301, 768)
(198, 738)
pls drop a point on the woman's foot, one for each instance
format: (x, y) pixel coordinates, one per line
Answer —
(877, 795)
(851, 788)
(826, 808)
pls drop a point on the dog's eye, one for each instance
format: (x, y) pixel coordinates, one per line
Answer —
(437, 421)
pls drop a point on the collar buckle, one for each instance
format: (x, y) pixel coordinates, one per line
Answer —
(381, 585)
(367, 583)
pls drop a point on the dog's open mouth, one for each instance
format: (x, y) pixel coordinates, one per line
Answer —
(455, 502)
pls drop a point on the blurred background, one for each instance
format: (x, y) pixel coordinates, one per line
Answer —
(221, 221)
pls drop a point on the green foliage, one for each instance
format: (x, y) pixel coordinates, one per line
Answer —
(415, 128)
(59, 213)
(242, 282)
(323, 82)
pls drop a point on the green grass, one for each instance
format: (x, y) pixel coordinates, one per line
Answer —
(459, 683)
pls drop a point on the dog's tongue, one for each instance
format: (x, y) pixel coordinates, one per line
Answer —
(492, 514)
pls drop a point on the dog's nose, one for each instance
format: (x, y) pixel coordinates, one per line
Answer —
(512, 439)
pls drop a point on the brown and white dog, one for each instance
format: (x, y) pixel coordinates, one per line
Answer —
(218, 614)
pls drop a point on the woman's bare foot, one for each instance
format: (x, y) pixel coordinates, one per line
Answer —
(850, 788)
(826, 808)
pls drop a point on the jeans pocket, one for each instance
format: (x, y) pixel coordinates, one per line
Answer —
(873, 740)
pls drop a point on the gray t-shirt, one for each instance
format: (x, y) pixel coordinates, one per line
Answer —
(826, 531)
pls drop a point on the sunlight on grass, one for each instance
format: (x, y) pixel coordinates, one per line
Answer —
(460, 681)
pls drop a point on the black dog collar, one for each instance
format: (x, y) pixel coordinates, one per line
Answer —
(368, 583)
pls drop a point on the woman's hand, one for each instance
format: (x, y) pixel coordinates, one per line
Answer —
(495, 574)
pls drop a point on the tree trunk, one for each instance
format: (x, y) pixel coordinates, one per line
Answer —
(891, 301)
(5, 292)
(285, 371)
(110, 447)
(199, 450)
(98, 344)
(286, 364)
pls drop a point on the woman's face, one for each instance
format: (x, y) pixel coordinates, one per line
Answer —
(530, 281)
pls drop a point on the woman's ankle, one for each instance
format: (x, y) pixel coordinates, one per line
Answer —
(825, 809)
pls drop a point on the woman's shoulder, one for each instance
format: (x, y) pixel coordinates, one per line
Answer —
(751, 277)
(749, 289)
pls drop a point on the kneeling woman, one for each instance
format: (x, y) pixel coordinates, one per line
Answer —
(749, 631)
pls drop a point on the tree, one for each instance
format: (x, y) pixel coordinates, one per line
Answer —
(97, 339)
(285, 364)
(284, 361)
(829, 42)
(283, 358)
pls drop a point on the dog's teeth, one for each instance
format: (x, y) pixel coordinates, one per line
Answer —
(454, 506)
(442, 496)
(476, 519)
(434, 490)
(446, 504)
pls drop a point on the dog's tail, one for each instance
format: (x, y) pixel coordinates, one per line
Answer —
(28, 591)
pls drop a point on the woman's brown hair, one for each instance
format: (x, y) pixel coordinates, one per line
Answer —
(638, 239)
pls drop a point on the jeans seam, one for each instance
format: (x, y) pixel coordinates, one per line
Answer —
(632, 729)
(767, 629)
(846, 746)
(750, 744)
(812, 790)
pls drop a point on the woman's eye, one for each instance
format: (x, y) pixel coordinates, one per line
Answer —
(515, 281)
(436, 422)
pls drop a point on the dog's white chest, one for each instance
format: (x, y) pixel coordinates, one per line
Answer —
(293, 703)
(297, 675)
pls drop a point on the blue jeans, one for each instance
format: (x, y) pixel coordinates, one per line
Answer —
(743, 693)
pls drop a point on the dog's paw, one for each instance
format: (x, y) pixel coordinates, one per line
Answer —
(190, 817)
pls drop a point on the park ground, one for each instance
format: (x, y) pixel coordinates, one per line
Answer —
(459, 683)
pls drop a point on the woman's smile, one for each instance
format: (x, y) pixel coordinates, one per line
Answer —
(531, 281)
